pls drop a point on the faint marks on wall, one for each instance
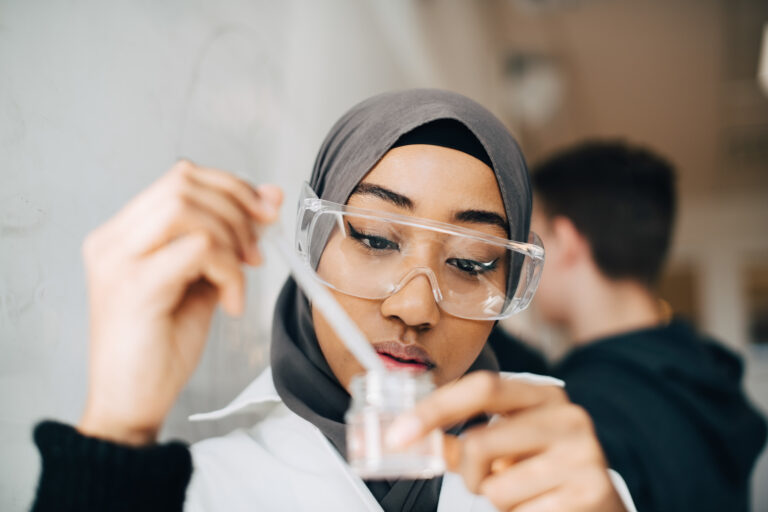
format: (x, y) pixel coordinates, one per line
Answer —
(28, 321)
(14, 305)
(19, 216)
(236, 118)
(23, 284)
(234, 115)
(13, 128)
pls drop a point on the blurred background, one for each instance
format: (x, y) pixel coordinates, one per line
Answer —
(97, 99)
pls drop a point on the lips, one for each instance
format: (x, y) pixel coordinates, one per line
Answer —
(398, 356)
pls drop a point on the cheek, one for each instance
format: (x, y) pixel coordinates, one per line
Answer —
(343, 364)
(455, 344)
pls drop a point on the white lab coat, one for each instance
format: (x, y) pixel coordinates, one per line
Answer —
(283, 462)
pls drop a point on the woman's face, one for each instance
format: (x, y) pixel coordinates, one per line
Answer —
(428, 182)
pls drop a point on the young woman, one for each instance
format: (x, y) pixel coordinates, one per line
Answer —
(440, 181)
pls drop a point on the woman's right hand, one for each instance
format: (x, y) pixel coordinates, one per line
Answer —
(155, 273)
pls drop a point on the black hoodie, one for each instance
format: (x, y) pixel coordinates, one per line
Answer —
(669, 410)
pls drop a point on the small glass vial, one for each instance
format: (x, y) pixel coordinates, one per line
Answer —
(377, 399)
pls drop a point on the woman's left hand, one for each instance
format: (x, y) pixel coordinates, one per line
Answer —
(539, 454)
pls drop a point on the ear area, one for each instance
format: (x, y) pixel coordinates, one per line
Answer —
(574, 246)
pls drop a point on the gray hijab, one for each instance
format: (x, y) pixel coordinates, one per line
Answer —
(354, 145)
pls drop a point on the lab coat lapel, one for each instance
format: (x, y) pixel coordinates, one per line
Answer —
(261, 397)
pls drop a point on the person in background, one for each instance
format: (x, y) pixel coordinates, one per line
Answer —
(666, 401)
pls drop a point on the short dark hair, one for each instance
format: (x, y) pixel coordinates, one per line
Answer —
(620, 197)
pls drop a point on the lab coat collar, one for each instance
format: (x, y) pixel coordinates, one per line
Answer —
(262, 391)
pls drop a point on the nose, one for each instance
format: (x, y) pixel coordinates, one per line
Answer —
(414, 304)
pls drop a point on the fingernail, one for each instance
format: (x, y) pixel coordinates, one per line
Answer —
(405, 429)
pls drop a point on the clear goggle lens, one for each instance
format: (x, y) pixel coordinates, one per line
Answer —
(372, 255)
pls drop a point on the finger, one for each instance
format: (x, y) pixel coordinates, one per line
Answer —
(550, 502)
(106, 239)
(178, 220)
(188, 259)
(451, 452)
(243, 226)
(194, 314)
(140, 216)
(170, 207)
(498, 445)
(263, 207)
(590, 490)
(524, 481)
(506, 440)
(176, 216)
(197, 304)
(175, 206)
(221, 205)
(452, 448)
(478, 392)
(271, 193)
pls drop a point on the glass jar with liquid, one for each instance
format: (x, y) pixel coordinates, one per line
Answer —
(377, 399)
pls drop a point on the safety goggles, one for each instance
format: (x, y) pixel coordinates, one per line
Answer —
(373, 255)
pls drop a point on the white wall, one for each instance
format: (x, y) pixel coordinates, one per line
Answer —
(97, 99)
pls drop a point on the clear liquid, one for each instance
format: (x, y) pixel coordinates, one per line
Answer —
(371, 460)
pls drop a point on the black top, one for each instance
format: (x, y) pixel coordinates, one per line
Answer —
(667, 406)
(669, 411)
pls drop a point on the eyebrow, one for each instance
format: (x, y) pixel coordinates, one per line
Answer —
(369, 189)
(471, 216)
(482, 217)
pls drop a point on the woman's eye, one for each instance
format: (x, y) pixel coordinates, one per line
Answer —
(472, 267)
(378, 243)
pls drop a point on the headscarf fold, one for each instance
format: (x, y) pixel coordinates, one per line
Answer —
(355, 144)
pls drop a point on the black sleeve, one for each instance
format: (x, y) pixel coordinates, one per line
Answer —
(83, 474)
